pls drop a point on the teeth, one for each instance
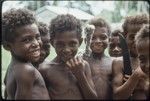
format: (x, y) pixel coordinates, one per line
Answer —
(36, 53)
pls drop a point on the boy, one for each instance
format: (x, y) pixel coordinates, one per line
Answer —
(21, 37)
(45, 38)
(136, 83)
(142, 44)
(100, 64)
(114, 44)
(45, 48)
(67, 76)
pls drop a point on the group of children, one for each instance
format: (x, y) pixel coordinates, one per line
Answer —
(68, 75)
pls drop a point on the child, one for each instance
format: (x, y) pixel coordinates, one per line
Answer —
(101, 65)
(142, 45)
(45, 38)
(67, 76)
(22, 38)
(135, 84)
(45, 48)
(114, 44)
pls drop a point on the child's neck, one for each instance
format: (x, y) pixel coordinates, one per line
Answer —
(97, 55)
(14, 60)
(57, 60)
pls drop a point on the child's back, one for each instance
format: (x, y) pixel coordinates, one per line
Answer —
(22, 39)
(20, 75)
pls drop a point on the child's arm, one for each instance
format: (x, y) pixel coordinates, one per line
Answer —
(124, 90)
(80, 69)
(24, 79)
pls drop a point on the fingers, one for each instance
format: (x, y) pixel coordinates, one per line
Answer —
(75, 62)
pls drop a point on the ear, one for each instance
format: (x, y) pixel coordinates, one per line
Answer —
(109, 39)
(52, 42)
(7, 46)
(80, 41)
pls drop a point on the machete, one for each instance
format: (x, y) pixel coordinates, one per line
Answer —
(126, 55)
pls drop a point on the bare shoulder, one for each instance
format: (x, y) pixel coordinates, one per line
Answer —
(87, 66)
(24, 71)
(46, 68)
(117, 64)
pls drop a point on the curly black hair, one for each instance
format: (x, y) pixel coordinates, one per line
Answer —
(43, 28)
(116, 32)
(14, 18)
(135, 20)
(100, 22)
(65, 22)
(143, 35)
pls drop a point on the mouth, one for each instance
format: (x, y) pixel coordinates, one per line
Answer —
(66, 57)
(98, 47)
(35, 53)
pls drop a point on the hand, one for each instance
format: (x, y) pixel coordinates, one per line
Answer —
(140, 73)
(76, 65)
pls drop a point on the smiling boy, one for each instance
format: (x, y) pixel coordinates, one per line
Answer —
(21, 37)
(100, 64)
(67, 76)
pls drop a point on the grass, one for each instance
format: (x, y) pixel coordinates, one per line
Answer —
(6, 58)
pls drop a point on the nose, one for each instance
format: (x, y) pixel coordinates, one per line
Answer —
(66, 50)
(116, 49)
(35, 43)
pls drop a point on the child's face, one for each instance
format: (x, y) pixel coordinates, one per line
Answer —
(26, 45)
(115, 47)
(45, 49)
(66, 45)
(99, 40)
(143, 54)
(132, 31)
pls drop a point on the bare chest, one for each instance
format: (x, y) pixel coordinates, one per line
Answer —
(63, 84)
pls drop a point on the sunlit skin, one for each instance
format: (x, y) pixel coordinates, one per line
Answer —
(63, 74)
(135, 84)
(100, 64)
(115, 47)
(23, 81)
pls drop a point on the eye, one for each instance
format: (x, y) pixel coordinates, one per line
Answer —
(132, 37)
(111, 45)
(72, 44)
(38, 37)
(93, 38)
(27, 39)
(103, 37)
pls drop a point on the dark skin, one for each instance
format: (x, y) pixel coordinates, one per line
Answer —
(134, 85)
(114, 47)
(23, 81)
(45, 51)
(100, 64)
(143, 55)
(67, 76)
